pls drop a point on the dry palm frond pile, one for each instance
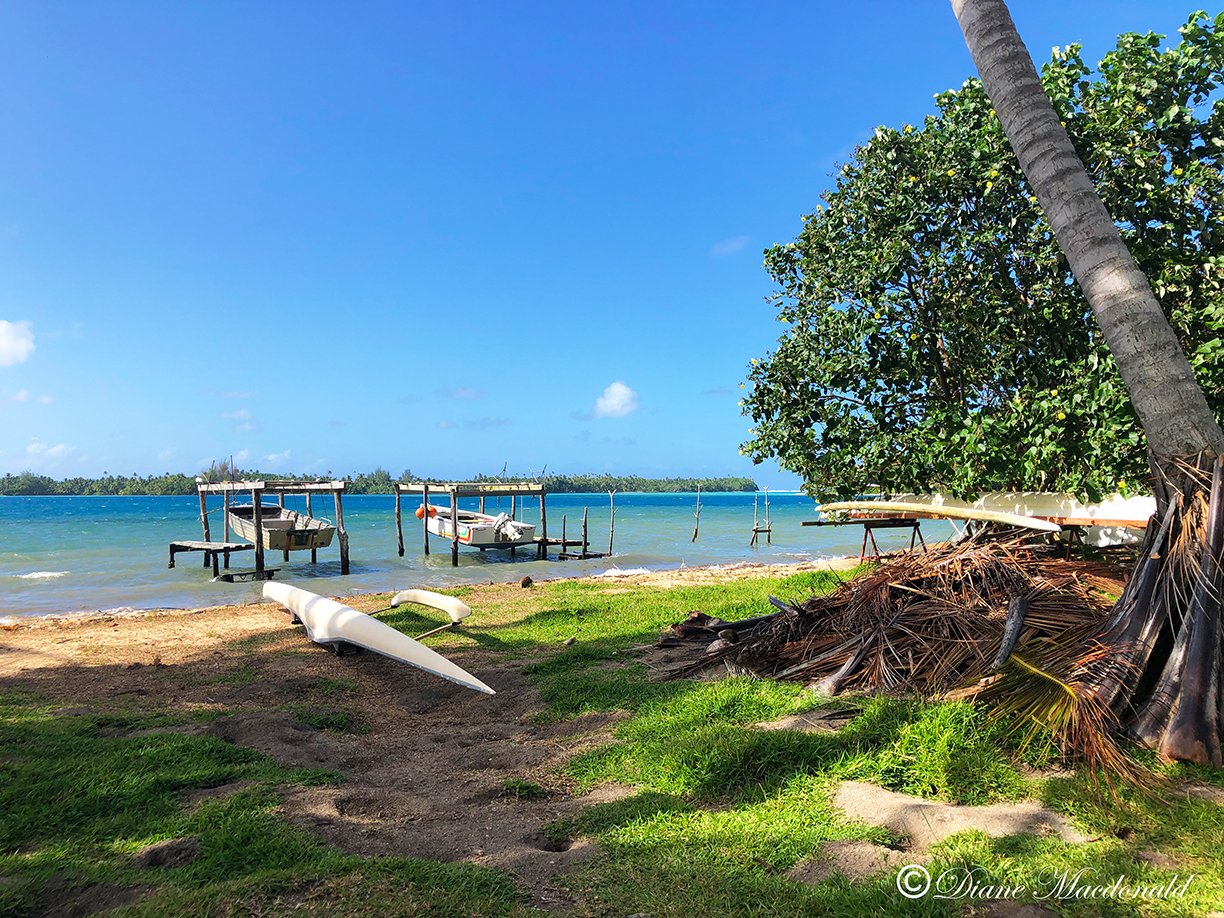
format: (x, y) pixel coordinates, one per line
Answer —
(928, 623)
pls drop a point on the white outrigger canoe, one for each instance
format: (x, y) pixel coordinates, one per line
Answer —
(917, 508)
(479, 530)
(282, 529)
(331, 623)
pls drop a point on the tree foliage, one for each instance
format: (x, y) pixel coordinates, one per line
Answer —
(937, 340)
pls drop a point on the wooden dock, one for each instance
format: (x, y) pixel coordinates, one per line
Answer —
(257, 489)
(211, 551)
(421, 491)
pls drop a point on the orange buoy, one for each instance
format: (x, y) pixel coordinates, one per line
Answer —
(420, 513)
(433, 511)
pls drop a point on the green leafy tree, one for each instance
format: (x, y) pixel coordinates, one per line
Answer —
(937, 339)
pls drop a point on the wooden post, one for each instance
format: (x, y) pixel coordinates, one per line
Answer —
(399, 524)
(204, 518)
(697, 515)
(257, 517)
(513, 506)
(543, 530)
(454, 527)
(314, 552)
(344, 557)
(425, 516)
(611, 518)
(564, 548)
(482, 503)
(768, 524)
(584, 532)
(280, 500)
(225, 505)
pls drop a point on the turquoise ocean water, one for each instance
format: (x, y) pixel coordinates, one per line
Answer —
(82, 554)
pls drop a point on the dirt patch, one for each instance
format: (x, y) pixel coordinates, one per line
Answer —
(66, 898)
(821, 720)
(924, 822)
(199, 795)
(171, 852)
(1208, 792)
(855, 860)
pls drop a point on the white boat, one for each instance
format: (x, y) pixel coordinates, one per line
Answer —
(1111, 521)
(911, 508)
(330, 622)
(480, 530)
(283, 529)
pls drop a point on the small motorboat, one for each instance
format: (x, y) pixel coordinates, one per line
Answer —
(283, 529)
(479, 530)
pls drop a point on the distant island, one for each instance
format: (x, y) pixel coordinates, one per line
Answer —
(378, 481)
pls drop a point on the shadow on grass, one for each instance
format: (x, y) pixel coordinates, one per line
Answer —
(76, 803)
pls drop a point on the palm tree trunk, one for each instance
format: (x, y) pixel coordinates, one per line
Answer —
(1167, 635)
(1170, 405)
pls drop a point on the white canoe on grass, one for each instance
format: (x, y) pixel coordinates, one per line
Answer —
(329, 622)
(956, 513)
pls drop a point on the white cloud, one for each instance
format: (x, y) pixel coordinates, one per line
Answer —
(487, 423)
(40, 450)
(279, 458)
(617, 401)
(241, 456)
(463, 393)
(167, 454)
(729, 246)
(46, 399)
(241, 418)
(23, 395)
(16, 342)
(445, 424)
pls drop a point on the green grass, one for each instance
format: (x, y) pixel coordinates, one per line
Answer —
(721, 810)
(519, 789)
(330, 720)
(717, 810)
(76, 803)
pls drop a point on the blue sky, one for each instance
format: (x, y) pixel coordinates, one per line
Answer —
(445, 237)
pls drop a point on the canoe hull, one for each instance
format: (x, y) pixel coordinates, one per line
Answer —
(951, 512)
(330, 622)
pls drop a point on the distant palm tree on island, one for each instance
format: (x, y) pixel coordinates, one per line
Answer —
(379, 481)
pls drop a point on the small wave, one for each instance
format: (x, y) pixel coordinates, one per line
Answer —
(43, 575)
(622, 572)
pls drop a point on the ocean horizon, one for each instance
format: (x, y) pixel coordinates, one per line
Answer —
(79, 554)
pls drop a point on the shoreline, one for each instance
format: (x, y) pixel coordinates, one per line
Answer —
(663, 577)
